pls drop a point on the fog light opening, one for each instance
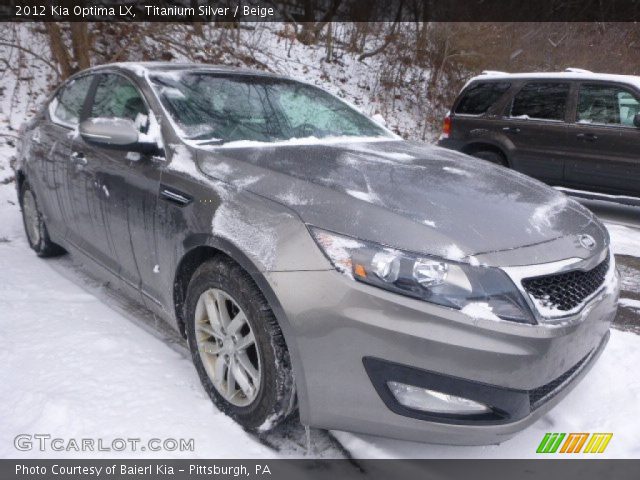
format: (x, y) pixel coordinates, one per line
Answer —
(426, 400)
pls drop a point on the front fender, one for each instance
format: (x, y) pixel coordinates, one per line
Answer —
(233, 251)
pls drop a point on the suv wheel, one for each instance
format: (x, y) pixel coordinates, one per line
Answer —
(34, 225)
(491, 156)
(237, 346)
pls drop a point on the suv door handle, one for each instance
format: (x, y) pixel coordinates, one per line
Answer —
(587, 137)
(511, 129)
(78, 158)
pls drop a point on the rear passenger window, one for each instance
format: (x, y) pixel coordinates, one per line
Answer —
(66, 106)
(606, 105)
(544, 101)
(477, 99)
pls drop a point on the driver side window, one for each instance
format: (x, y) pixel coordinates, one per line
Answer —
(66, 106)
(117, 97)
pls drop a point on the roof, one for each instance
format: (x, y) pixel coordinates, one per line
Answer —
(573, 74)
(140, 68)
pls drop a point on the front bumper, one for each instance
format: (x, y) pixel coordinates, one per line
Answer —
(338, 323)
(507, 405)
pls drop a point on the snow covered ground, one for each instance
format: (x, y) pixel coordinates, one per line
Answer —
(73, 367)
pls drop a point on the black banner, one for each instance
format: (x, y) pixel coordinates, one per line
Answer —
(321, 469)
(322, 10)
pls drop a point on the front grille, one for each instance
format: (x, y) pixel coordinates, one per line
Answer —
(566, 291)
(537, 396)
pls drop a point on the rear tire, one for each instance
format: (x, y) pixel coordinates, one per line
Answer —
(254, 385)
(491, 156)
(35, 226)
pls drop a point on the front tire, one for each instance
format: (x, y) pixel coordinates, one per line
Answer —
(237, 346)
(35, 226)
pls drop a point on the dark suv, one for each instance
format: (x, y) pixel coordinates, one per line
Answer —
(574, 129)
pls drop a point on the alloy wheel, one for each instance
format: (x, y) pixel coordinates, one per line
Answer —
(227, 347)
(31, 218)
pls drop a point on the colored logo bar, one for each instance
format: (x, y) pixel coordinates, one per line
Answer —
(574, 443)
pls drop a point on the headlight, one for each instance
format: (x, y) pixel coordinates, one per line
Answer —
(480, 292)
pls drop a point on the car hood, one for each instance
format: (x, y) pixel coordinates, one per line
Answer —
(404, 194)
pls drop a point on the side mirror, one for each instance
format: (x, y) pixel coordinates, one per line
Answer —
(116, 134)
(636, 120)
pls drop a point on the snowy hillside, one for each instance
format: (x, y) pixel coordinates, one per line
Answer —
(399, 96)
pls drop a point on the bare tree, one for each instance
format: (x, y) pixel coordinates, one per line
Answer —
(78, 57)
(310, 27)
(59, 51)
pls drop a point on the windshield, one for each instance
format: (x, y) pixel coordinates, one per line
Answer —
(226, 108)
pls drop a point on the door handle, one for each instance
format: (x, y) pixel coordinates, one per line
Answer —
(511, 129)
(78, 158)
(587, 137)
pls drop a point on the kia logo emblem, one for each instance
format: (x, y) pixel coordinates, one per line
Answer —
(587, 241)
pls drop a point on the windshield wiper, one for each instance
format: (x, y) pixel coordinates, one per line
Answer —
(206, 137)
(210, 141)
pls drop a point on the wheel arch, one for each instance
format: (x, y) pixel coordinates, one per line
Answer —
(479, 146)
(201, 248)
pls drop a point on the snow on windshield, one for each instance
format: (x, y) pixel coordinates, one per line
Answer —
(216, 108)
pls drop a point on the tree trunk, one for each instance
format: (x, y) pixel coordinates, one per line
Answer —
(58, 50)
(329, 57)
(81, 44)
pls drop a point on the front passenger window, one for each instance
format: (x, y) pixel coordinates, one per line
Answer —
(606, 105)
(117, 97)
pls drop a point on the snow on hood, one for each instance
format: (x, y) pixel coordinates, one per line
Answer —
(403, 194)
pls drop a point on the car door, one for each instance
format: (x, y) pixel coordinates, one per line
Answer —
(126, 185)
(535, 125)
(605, 143)
(52, 152)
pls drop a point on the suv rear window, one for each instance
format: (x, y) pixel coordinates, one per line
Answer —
(545, 101)
(477, 99)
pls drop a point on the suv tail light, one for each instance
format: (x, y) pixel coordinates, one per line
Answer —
(446, 127)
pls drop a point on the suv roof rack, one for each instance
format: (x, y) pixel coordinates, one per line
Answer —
(577, 70)
(493, 72)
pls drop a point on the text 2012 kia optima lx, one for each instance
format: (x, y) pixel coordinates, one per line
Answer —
(314, 260)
